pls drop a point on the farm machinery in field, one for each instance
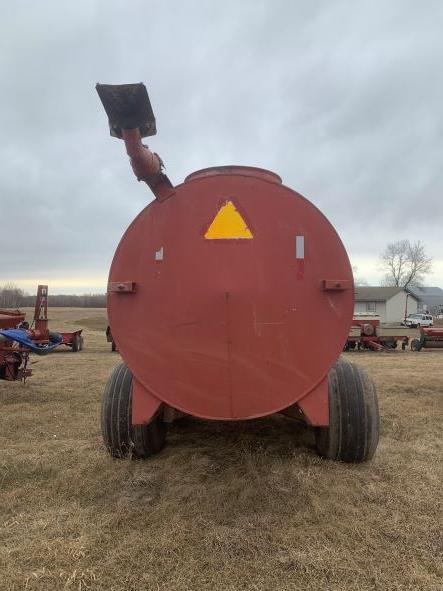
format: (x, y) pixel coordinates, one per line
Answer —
(217, 293)
(367, 332)
(13, 358)
(429, 338)
(18, 339)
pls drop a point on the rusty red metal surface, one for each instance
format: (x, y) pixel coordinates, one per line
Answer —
(41, 312)
(251, 171)
(146, 165)
(144, 405)
(232, 328)
(68, 337)
(431, 338)
(432, 332)
(11, 318)
(13, 359)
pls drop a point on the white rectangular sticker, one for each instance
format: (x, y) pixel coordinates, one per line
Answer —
(299, 247)
(159, 254)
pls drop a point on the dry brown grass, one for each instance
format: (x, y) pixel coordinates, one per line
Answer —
(238, 506)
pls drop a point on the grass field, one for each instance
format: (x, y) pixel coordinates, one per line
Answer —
(239, 506)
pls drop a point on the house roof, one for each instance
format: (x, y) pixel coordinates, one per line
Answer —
(426, 291)
(432, 297)
(376, 294)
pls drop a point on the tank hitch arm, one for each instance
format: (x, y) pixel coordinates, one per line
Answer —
(147, 165)
(131, 118)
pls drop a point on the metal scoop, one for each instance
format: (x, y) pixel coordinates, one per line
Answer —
(127, 107)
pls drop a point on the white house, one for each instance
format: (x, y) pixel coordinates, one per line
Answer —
(390, 303)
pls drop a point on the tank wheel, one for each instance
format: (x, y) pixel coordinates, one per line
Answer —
(416, 345)
(76, 343)
(121, 438)
(352, 435)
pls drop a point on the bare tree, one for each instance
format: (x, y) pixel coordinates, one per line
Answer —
(10, 296)
(405, 264)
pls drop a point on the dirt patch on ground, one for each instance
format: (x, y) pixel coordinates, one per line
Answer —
(226, 506)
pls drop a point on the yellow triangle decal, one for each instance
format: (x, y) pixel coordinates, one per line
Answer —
(228, 224)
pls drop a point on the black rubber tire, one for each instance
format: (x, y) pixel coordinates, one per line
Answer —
(352, 435)
(75, 343)
(416, 345)
(121, 438)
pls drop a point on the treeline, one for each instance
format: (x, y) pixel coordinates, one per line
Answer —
(12, 296)
(91, 300)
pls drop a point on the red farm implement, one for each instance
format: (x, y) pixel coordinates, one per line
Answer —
(429, 338)
(13, 357)
(11, 318)
(367, 332)
(216, 295)
(18, 339)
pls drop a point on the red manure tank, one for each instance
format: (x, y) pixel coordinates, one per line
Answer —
(230, 297)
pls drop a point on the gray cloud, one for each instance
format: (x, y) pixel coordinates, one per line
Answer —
(342, 99)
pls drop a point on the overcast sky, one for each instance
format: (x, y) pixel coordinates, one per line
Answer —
(343, 99)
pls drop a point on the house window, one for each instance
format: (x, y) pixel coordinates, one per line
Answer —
(371, 306)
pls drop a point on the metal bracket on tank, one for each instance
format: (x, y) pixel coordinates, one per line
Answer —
(315, 405)
(122, 287)
(336, 284)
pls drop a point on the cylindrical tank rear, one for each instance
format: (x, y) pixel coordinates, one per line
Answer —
(242, 295)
